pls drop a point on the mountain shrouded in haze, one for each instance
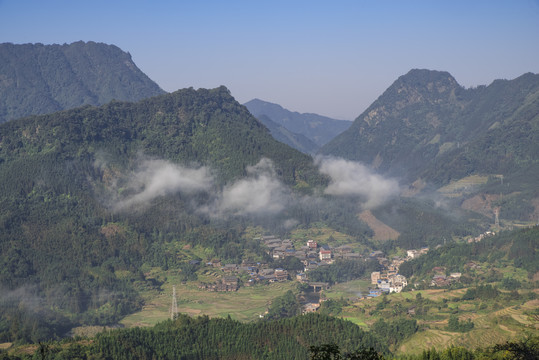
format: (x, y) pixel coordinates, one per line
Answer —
(317, 128)
(297, 141)
(427, 125)
(39, 79)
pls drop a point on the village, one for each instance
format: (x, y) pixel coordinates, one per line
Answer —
(312, 256)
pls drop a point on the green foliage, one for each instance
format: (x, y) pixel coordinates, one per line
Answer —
(332, 352)
(332, 307)
(343, 270)
(290, 263)
(511, 284)
(204, 338)
(284, 306)
(396, 331)
(424, 223)
(454, 324)
(482, 292)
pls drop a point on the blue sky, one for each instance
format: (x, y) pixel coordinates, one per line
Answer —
(328, 57)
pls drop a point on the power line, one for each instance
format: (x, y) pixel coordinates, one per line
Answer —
(174, 305)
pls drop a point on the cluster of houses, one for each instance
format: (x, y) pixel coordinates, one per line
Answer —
(227, 283)
(388, 280)
(481, 236)
(256, 272)
(311, 255)
(440, 279)
(413, 254)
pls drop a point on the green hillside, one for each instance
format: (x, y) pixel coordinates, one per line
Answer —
(39, 79)
(75, 226)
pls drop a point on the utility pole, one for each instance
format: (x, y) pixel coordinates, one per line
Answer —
(174, 305)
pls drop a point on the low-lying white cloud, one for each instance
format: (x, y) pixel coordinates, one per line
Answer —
(259, 193)
(262, 194)
(154, 178)
(349, 178)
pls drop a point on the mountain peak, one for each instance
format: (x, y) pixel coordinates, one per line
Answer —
(39, 79)
(426, 82)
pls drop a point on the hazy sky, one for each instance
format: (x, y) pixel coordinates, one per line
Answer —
(333, 58)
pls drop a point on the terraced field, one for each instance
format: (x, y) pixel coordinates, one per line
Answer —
(462, 186)
(245, 305)
(490, 328)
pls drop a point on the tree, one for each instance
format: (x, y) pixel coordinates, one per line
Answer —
(332, 352)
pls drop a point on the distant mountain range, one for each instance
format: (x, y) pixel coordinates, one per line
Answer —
(39, 79)
(319, 129)
(297, 141)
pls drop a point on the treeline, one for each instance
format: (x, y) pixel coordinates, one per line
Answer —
(312, 336)
(204, 338)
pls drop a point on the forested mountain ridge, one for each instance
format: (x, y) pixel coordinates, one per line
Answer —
(427, 125)
(319, 129)
(39, 79)
(76, 224)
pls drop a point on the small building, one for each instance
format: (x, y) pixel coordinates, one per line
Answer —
(281, 274)
(310, 308)
(312, 244)
(230, 267)
(375, 276)
(351, 256)
(215, 263)
(325, 255)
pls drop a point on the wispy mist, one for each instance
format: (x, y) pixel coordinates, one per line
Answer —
(154, 178)
(349, 178)
(259, 193)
